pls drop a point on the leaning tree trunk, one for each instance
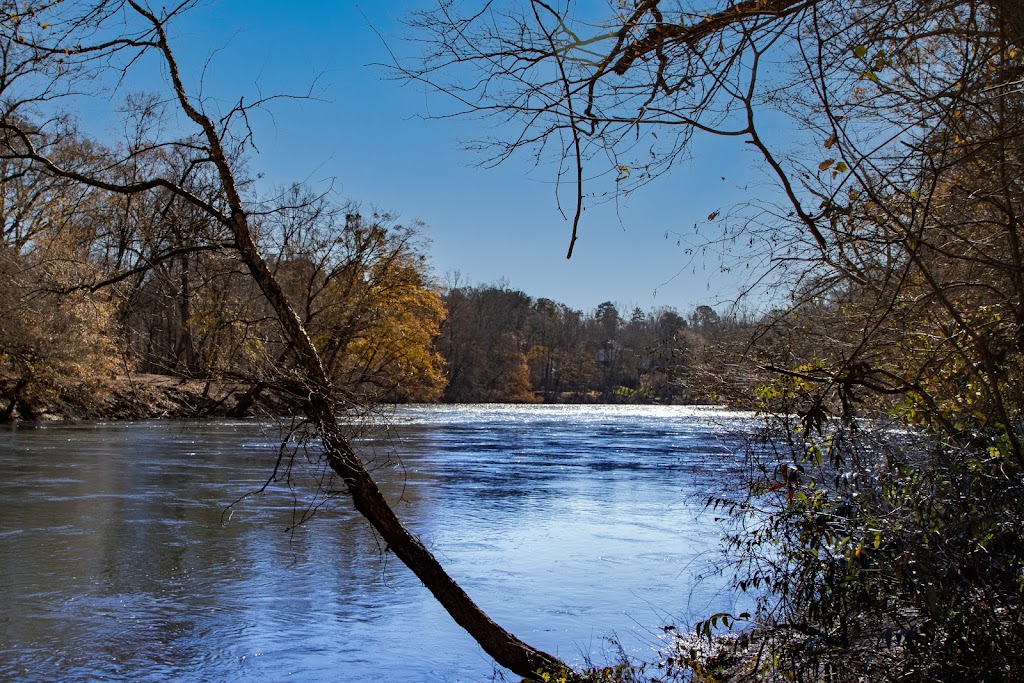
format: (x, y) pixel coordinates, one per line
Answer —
(505, 648)
(320, 398)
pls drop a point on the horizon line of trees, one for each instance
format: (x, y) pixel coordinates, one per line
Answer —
(502, 345)
(195, 317)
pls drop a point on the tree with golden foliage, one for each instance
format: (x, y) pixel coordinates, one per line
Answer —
(56, 341)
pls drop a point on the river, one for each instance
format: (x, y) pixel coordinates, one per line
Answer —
(123, 558)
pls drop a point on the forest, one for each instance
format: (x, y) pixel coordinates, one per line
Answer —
(502, 345)
(881, 524)
(71, 346)
(90, 300)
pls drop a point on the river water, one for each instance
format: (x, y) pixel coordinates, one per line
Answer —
(123, 558)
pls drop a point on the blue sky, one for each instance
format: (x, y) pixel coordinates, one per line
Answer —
(367, 134)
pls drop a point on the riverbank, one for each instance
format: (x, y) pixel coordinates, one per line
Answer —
(142, 396)
(147, 396)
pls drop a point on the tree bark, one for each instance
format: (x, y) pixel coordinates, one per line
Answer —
(321, 408)
(507, 650)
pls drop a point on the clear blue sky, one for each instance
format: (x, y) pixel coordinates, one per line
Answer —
(489, 225)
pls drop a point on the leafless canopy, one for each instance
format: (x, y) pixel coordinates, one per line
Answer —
(617, 91)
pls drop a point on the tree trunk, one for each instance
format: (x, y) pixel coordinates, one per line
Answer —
(502, 646)
(505, 648)
(245, 401)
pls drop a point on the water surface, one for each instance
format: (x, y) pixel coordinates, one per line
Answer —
(123, 558)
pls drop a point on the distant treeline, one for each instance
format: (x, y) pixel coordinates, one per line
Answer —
(500, 344)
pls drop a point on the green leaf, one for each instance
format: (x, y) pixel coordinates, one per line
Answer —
(860, 51)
